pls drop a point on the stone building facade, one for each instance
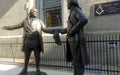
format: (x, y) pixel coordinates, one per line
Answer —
(14, 11)
(54, 14)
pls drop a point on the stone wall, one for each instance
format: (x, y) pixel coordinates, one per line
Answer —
(99, 24)
(12, 12)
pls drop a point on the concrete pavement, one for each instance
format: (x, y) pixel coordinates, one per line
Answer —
(12, 69)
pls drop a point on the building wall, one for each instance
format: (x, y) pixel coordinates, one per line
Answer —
(101, 29)
(99, 24)
(12, 12)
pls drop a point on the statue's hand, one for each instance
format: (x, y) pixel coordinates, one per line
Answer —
(71, 34)
(5, 28)
(63, 31)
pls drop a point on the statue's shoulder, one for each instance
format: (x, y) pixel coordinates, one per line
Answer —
(26, 19)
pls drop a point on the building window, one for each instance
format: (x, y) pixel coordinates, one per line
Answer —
(53, 18)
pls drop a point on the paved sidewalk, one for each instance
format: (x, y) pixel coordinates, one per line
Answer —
(6, 69)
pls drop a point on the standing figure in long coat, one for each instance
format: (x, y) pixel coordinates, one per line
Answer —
(76, 46)
(32, 38)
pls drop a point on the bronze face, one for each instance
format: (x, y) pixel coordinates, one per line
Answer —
(71, 3)
(68, 4)
(33, 12)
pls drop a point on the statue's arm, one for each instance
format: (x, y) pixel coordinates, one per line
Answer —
(50, 31)
(44, 29)
(17, 26)
(63, 31)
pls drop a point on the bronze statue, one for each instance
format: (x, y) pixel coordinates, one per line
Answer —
(32, 38)
(76, 46)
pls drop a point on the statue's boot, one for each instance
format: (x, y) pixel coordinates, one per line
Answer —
(24, 71)
(37, 71)
(37, 58)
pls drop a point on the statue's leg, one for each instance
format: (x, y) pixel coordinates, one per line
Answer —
(79, 70)
(37, 58)
(27, 54)
(73, 51)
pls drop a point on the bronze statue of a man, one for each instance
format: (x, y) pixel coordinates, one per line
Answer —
(32, 38)
(76, 46)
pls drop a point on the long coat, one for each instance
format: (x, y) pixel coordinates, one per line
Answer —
(27, 29)
(76, 46)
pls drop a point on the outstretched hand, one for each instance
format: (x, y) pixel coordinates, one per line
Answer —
(63, 31)
(4, 28)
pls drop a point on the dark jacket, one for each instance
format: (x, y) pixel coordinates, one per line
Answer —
(27, 29)
(76, 46)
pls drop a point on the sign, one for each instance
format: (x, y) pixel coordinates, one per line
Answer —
(107, 8)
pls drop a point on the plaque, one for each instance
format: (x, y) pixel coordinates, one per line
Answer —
(107, 8)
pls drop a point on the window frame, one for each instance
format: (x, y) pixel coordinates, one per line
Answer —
(50, 9)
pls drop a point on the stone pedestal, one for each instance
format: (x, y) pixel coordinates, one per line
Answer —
(33, 73)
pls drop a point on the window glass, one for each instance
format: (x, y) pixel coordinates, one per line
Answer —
(53, 18)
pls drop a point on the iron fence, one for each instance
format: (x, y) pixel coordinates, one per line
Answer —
(103, 49)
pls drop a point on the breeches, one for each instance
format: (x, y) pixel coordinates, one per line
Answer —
(35, 50)
(36, 54)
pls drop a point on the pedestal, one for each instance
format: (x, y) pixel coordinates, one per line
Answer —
(33, 73)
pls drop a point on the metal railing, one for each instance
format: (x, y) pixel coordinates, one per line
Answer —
(103, 49)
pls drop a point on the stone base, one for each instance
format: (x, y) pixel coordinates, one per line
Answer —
(33, 73)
